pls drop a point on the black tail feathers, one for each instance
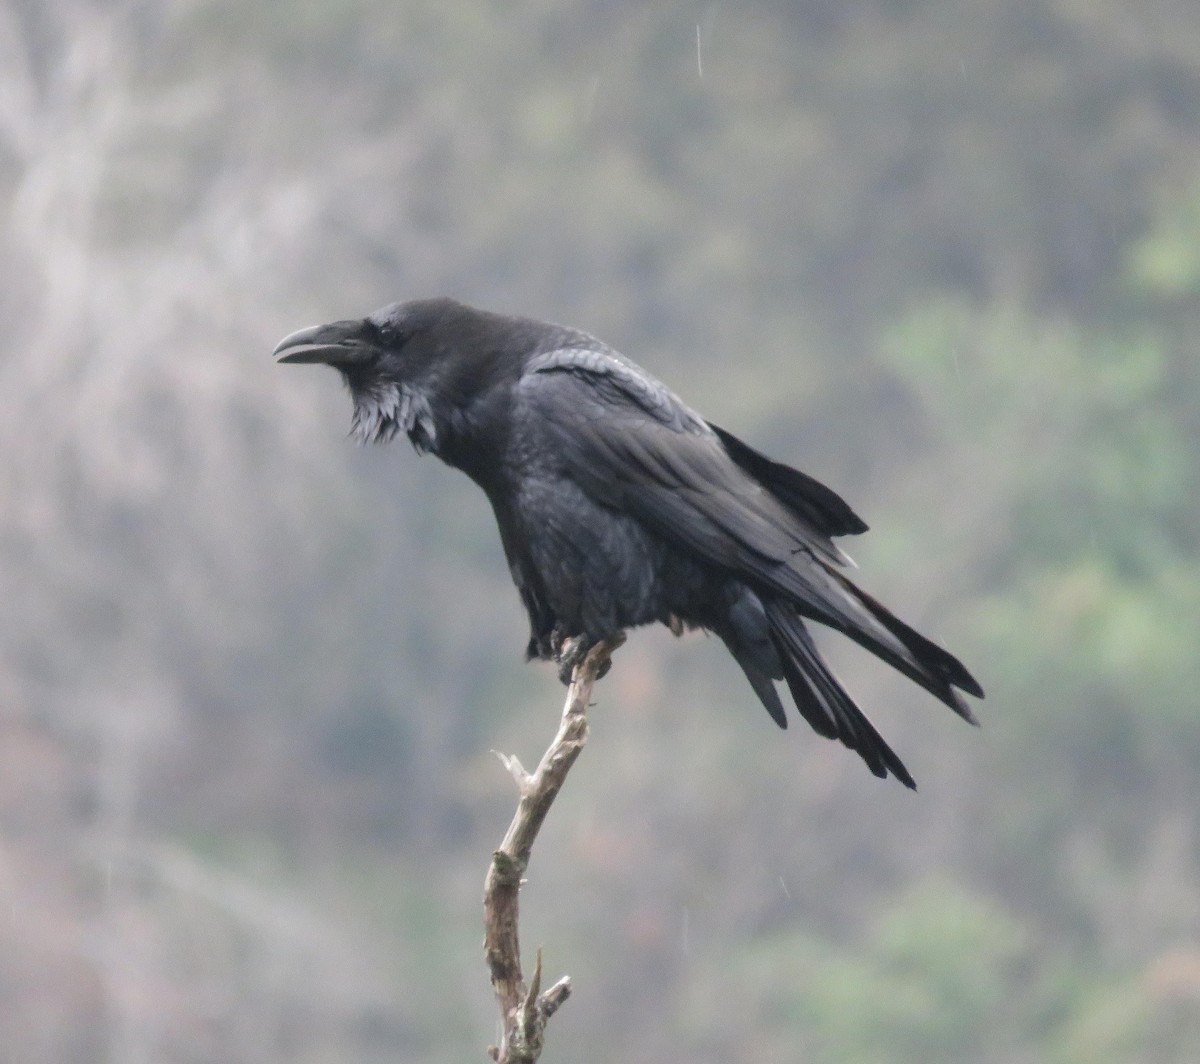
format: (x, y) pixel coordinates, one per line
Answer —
(821, 699)
(921, 660)
(768, 638)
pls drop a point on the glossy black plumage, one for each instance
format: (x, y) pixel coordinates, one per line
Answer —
(619, 506)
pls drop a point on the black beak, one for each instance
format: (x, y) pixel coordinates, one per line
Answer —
(341, 343)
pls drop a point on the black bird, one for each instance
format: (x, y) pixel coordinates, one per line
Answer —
(619, 506)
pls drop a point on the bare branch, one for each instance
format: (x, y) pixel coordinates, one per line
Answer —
(524, 1010)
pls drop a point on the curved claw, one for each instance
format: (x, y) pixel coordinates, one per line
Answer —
(572, 651)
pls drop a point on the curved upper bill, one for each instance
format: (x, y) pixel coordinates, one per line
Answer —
(340, 343)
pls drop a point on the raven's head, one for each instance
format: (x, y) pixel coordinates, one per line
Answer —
(385, 360)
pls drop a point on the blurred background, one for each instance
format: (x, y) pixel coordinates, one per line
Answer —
(942, 254)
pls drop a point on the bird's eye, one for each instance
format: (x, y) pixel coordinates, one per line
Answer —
(389, 334)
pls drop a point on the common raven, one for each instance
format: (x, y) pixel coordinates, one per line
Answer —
(619, 506)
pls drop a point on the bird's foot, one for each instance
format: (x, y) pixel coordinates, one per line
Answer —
(570, 652)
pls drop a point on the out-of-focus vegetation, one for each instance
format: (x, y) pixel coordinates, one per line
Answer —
(944, 255)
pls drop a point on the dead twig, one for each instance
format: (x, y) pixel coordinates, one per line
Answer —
(525, 1009)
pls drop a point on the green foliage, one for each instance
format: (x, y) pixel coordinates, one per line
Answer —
(1166, 262)
(942, 976)
(1084, 443)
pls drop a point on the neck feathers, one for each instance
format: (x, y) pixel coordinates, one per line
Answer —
(384, 408)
